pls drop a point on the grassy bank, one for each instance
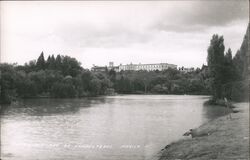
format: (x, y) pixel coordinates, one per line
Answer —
(227, 139)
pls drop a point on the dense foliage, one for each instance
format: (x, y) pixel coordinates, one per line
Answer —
(59, 77)
(170, 81)
(63, 77)
(228, 76)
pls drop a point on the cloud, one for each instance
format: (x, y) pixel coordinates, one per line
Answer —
(139, 22)
(193, 16)
(218, 13)
(126, 31)
(88, 36)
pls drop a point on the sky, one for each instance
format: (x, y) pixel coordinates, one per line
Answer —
(97, 32)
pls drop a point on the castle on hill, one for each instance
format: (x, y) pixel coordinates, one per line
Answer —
(134, 67)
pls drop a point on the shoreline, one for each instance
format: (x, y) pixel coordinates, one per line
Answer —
(18, 99)
(226, 139)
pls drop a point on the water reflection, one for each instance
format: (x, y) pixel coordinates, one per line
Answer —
(130, 126)
(46, 107)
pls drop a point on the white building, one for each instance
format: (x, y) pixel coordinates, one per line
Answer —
(147, 67)
(135, 67)
(186, 70)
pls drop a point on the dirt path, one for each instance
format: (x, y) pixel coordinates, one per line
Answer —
(228, 139)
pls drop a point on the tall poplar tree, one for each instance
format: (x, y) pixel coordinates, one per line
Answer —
(40, 62)
(215, 60)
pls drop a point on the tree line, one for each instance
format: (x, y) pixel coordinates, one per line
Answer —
(60, 77)
(63, 77)
(228, 76)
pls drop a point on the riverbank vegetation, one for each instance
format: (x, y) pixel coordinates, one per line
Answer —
(228, 76)
(63, 77)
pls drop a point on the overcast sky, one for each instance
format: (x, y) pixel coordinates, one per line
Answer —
(97, 32)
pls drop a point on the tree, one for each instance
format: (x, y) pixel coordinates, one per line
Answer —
(58, 62)
(238, 63)
(7, 83)
(70, 66)
(39, 78)
(63, 90)
(240, 87)
(112, 75)
(228, 56)
(53, 62)
(40, 62)
(240, 59)
(95, 86)
(228, 74)
(123, 85)
(26, 88)
(215, 60)
(229, 69)
(50, 64)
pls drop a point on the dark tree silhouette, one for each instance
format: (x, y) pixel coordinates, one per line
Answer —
(215, 60)
(40, 64)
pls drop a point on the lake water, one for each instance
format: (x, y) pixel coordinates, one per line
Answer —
(126, 127)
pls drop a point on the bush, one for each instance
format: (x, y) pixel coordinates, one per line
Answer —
(240, 91)
(63, 90)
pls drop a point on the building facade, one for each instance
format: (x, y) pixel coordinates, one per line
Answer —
(147, 67)
(135, 67)
(186, 70)
(99, 69)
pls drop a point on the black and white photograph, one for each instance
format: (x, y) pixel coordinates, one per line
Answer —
(124, 80)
